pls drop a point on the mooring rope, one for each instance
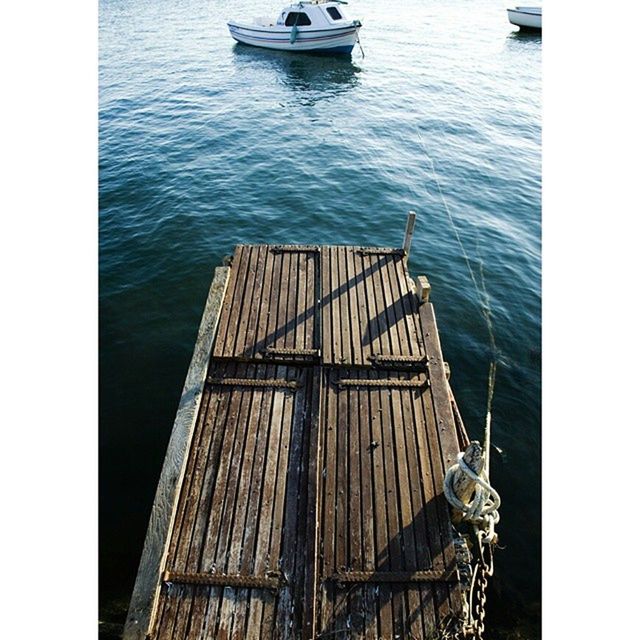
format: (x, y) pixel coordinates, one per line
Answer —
(482, 510)
(484, 300)
(359, 44)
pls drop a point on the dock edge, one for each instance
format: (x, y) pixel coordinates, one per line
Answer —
(146, 590)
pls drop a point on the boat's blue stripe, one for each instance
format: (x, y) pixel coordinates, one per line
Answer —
(301, 30)
(299, 40)
(323, 51)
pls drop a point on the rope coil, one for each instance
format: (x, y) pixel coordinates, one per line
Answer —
(482, 510)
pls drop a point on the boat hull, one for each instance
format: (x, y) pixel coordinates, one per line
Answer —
(525, 19)
(330, 41)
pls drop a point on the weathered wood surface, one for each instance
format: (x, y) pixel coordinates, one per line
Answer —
(367, 307)
(144, 598)
(271, 304)
(463, 486)
(330, 488)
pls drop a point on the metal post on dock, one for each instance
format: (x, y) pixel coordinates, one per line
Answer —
(408, 233)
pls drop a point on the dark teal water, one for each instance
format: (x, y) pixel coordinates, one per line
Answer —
(204, 144)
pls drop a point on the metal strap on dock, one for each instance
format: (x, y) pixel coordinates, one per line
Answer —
(391, 383)
(295, 248)
(381, 577)
(250, 382)
(380, 251)
(274, 352)
(225, 580)
(381, 360)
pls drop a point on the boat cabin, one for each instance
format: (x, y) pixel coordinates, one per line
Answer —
(314, 13)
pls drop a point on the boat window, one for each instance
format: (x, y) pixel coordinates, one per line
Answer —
(299, 18)
(334, 13)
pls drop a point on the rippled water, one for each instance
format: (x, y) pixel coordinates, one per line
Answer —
(204, 143)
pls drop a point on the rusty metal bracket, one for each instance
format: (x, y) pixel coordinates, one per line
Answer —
(269, 581)
(392, 383)
(294, 248)
(389, 360)
(250, 382)
(381, 251)
(274, 352)
(406, 577)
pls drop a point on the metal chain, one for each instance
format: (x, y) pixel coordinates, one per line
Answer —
(482, 600)
(484, 571)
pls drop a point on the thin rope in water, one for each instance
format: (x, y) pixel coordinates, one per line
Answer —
(484, 302)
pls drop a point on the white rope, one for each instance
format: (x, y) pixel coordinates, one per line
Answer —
(482, 509)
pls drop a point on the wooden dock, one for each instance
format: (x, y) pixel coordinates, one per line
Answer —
(302, 492)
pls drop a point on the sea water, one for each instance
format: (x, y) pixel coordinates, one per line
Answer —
(205, 144)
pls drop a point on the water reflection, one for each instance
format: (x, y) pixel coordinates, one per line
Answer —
(519, 38)
(312, 77)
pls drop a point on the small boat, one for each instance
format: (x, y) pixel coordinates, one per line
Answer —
(320, 26)
(526, 17)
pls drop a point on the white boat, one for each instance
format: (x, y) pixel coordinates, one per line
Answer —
(526, 17)
(310, 25)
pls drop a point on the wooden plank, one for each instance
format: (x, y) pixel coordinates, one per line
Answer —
(329, 492)
(383, 561)
(378, 322)
(282, 549)
(248, 348)
(439, 386)
(393, 491)
(227, 303)
(448, 445)
(223, 497)
(408, 342)
(233, 519)
(368, 563)
(243, 523)
(184, 550)
(259, 565)
(390, 304)
(316, 466)
(358, 306)
(354, 524)
(345, 311)
(264, 309)
(303, 509)
(291, 562)
(411, 522)
(210, 469)
(230, 492)
(420, 506)
(237, 345)
(342, 520)
(274, 301)
(300, 303)
(282, 314)
(246, 273)
(233, 304)
(410, 306)
(197, 499)
(311, 313)
(146, 589)
(325, 338)
(263, 608)
(336, 331)
(354, 319)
